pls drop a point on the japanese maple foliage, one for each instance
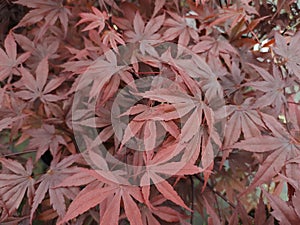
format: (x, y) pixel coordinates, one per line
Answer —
(150, 112)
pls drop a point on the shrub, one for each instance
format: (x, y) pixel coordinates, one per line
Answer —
(149, 112)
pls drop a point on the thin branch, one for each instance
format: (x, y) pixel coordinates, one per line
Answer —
(216, 192)
(18, 153)
(192, 197)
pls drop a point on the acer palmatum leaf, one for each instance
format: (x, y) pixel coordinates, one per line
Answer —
(37, 87)
(49, 11)
(289, 53)
(47, 47)
(45, 138)
(91, 196)
(96, 19)
(8, 58)
(179, 27)
(100, 72)
(49, 181)
(242, 118)
(113, 38)
(146, 35)
(281, 148)
(13, 186)
(281, 210)
(272, 86)
(213, 216)
(156, 208)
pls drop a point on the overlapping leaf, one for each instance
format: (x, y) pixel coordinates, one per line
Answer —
(48, 182)
(9, 60)
(49, 11)
(289, 52)
(179, 27)
(96, 19)
(96, 193)
(14, 185)
(37, 87)
(281, 147)
(45, 138)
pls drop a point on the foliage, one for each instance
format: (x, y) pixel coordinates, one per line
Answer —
(150, 112)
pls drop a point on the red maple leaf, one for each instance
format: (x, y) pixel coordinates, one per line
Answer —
(45, 138)
(242, 118)
(179, 27)
(9, 60)
(281, 147)
(273, 87)
(13, 186)
(282, 211)
(289, 52)
(112, 37)
(49, 181)
(156, 208)
(146, 35)
(101, 71)
(109, 196)
(96, 19)
(49, 11)
(37, 87)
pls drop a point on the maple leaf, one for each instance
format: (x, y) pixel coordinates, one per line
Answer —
(150, 125)
(102, 191)
(260, 214)
(281, 147)
(273, 88)
(147, 35)
(179, 27)
(13, 186)
(49, 181)
(192, 130)
(96, 19)
(289, 52)
(242, 118)
(142, 32)
(38, 88)
(156, 208)
(232, 83)
(49, 11)
(161, 166)
(12, 110)
(196, 111)
(101, 71)
(45, 138)
(285, 213)
(9, 60)
(48, 47)
(101, 121)
(112, 37)
(215, 47)
(190, 65)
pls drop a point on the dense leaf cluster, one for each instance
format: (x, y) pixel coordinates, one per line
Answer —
(150, 112)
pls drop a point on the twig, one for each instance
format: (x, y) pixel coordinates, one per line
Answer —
(18, 153)
(192, 206)
(216, 192)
